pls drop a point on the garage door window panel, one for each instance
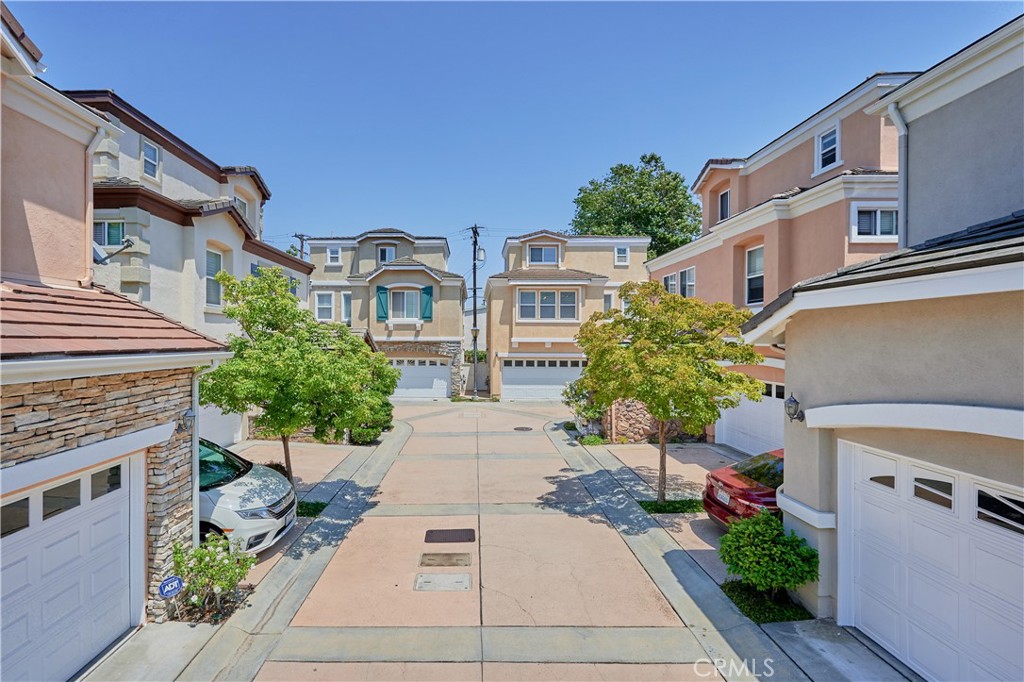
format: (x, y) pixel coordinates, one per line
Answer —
(14, 517)
(61, 498)
(998, 509)
(105, 481)
(933, 487)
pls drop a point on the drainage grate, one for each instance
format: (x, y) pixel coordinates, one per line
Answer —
(523, 428)
(443, 582)
(451, 535)
(445, 559)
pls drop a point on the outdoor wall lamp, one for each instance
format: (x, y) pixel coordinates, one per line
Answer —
(186, 421)
(793, 410)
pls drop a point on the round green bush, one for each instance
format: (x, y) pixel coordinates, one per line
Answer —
(765, 557)
(364, 436)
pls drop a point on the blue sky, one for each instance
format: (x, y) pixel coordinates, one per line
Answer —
(430, 117)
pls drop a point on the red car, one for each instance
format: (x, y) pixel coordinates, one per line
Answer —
(744, 489)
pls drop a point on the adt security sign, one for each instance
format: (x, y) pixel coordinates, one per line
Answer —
(170, 587)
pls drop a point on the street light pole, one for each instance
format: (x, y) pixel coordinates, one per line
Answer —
(476, 329)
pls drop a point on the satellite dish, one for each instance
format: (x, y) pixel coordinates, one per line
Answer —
(98, 256)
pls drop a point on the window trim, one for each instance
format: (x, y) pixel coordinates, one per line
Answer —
(691, 282)
(393, 246)
(608, 301)
(405, 291)
(748, 276)
(727, 194)
(543, 245)
(159, 159)
(106, 226)
(625, 261)
(317, 306)
(557, 305)
(670, 278)
(244, 208)
(857, 206)
(833, 126)
(332, 251)
(209, 278)
(346, 308)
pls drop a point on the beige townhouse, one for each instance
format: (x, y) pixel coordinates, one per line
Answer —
(552, 283)
(394, 288)
(97, 437)
(820, 196)
(905, 450)
(167, 219)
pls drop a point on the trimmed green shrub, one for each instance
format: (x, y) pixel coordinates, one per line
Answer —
(760, 607)
(765, 557)
(211, 572)
(364, 435)
(592, 439)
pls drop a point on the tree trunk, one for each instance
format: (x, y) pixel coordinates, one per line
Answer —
(288, 459)
(662, 463)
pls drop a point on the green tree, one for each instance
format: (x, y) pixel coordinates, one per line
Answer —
(293, 250)
(664, 351)
(646, 200)
(295, 371)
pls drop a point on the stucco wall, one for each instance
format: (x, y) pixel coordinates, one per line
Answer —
(44, 207)
(178, 180)
(964, 350)
(447, 313)
(966, 161)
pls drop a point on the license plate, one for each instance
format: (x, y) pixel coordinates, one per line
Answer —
(288, 519)
(723, 497)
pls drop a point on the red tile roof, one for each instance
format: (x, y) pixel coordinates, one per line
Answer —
(37, 320)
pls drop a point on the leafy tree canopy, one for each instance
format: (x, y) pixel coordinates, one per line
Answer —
(646, 200)
(296, 372)
(664, 351)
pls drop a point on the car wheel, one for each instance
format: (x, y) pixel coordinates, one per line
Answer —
(208, 528)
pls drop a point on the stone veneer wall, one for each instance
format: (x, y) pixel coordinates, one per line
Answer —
(629, 421)
(48, 417)
(449, 349)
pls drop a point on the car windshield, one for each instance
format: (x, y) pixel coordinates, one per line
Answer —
(766, 469)
(218, 466)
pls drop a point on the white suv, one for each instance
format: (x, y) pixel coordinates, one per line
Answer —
(253, 505)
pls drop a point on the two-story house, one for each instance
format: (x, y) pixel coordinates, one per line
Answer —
(552, 283)
(183, 218)
(97, 443)
(394, 288)
(905, 454)
(820, 196)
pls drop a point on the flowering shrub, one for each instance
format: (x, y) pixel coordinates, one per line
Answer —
(211, 571)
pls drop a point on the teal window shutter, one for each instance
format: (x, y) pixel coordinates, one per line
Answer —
(382, 304)
(427, 303)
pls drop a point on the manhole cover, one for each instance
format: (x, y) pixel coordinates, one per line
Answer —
(523, 428)
(451, 535)
(445, 559)
(443, 582)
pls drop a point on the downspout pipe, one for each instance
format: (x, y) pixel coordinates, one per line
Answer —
(896, 116)
(97, 139)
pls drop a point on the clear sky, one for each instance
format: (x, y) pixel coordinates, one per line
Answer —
(431, 117)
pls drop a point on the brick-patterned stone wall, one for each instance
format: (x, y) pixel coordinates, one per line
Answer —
(628, 421)
(449, 349)
(48, 417)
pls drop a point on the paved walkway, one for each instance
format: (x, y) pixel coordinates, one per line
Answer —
(566, 577)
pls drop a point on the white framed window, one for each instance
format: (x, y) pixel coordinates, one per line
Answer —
(346, 306)
(724, 210)
(755, 275)
(214, 264)
(325, 306)
(688, 282)
(873, 222)
(548, 305)
(242, 205)
(385, 254)
(827, 149)
(608, 301)
(108, 232)
(333, 256)
(670, 283)
(405, 304)
(151, 159)
(543, 255)
(622, 255)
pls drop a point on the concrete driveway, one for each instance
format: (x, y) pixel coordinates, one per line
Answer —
(560, 574)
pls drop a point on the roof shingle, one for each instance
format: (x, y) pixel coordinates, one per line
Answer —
(37, 320)
(545, 274)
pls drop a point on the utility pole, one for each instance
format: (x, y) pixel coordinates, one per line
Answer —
(302, 244)
(476, 329)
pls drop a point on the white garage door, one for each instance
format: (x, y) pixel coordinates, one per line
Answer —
(754, 427)
(423, 378)
(538, 379)
(931, 565)
(65, 573)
